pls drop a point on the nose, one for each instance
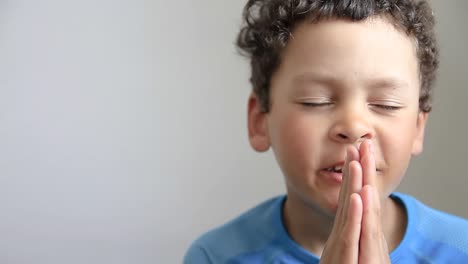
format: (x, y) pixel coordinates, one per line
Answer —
(351, 126)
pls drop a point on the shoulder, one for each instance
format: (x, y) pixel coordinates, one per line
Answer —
(428, 218)
(248, 232)
(433, 229)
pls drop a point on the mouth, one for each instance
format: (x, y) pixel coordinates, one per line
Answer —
(335, 172)
(339, 169)
(335, 169)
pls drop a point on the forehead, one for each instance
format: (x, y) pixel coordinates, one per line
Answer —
(370, 51)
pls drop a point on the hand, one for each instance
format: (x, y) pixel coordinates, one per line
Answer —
(372, 243)
(343, 243)
(357, 234)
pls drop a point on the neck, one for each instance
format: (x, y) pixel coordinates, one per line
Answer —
(311, 226)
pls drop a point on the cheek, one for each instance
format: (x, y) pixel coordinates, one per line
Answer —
(397, 142)
(295, 142)
(396, 149)
(398, 155)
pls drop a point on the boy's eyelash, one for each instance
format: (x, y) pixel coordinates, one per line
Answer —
(323, 104)
(387, 107)
(312, 104)
(384, 107)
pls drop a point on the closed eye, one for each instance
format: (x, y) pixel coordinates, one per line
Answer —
(387, 107)
(313, 104)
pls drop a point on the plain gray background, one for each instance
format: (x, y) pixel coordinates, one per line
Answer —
(123, 128)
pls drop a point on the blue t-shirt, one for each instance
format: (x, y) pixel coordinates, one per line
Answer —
(259, 236)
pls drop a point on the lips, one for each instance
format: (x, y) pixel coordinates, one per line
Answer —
(336, 167)
(333, 173)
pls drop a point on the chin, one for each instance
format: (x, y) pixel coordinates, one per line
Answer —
(331, 208)
(325, 204)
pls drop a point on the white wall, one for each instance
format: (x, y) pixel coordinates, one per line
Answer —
(123, 136)
(438, 177)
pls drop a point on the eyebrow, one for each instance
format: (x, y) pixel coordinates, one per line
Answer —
(386, 82)
(317, 78)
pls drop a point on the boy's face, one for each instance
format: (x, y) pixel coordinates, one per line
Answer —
(340, 82)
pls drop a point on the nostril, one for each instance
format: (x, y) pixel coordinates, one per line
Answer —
(343, 136)
(366, 136)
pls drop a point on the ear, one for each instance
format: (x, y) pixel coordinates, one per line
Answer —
(257, 125)
(420, 128)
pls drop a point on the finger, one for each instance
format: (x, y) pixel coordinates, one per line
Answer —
(355, 177)
(351, 154)
(343, 190)
(368, 164)
(371, 228)
(354, 181)
(352, 229)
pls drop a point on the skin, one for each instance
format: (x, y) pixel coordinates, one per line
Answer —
(345, 93)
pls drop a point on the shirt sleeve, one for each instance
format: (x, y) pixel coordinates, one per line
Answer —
(196, 255)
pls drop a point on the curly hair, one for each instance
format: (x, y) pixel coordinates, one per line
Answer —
(268, 25)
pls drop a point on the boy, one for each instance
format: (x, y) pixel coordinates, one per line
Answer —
(341, 93)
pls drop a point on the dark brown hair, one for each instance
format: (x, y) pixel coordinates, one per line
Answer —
(268, 25)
